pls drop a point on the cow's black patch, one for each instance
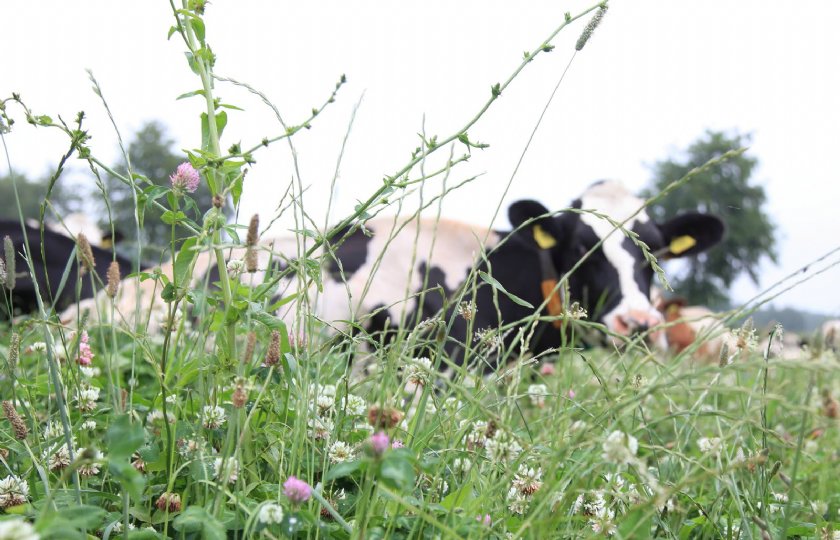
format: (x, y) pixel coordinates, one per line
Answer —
(352, 252)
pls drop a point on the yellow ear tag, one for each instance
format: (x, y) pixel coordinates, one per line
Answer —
(681, 244)
(106, 243)
(543, 239)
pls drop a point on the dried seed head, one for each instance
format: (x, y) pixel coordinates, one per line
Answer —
(251, 260)
(273, 355)
(253, 231)
(250, 345)
(14, 350)
(384, 417)
(18, 425)
(2, 271)
(169, 501)
(240, 393)
(85, 252)
(218, 201)
(590, 27)
(113, 279)
(9, 260)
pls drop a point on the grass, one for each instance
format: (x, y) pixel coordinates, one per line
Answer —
(227, 425)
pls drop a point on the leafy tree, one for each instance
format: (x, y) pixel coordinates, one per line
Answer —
(152, 156)
(64, 197)
(727, 191)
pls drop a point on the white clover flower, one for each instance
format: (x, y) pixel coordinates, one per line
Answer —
(90, 372)
(235, 267)
(270, 513)
(537, 394)
(39, 346)
(461, 465)
(89, 468)
(417, 373)
(86, 397)
(709, 445)
(53, 430)
(819, 507)
(231, 469)
(780, 497)
(603, 522)
(118, 527)
(213, 416)
(517, 501)
(620, 447)
(13, 491)
(57, 456)
(527, 480)
(17, 529)
(172, 399)
(354, 405)
(340, 452)
(615, 480)
(452, 404)
(502, 449)
(476, 436)
(578, 425)
(578, 504)
(155, 418)
(575, 312)
(320, 428)
(88, 425)
(189, 448)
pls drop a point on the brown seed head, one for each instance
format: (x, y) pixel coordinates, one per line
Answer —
(113, 279)
(218, 201)
(251, 260)
(85, 252)
(250, 345)
(384, 417)
(169, 501)
(253, 231)
(273, 355)
(14, 350)
(240, 394)
(18, 425)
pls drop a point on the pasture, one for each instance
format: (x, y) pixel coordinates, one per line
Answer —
(213, 395)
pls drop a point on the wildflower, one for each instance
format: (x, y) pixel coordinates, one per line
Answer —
(537, 393)
(88, 425)
(90, 372)
(484, 520)
(17, 529)
(189, 448)
(86, 397)
(86, 355)
(38, 346)
(418, 371)
(603, 522)
(273, 354)
(93, 460)
(231, 470)
(467, 309)
(18, 425)
(502, 449)
(320, 428)
(213, 417)
(577, 425)
(517, 501)
(620, 447)
(830, 406)
(527, 480)
(14, 350)
(397, 444)
(379, 442)
(185, 179)
(354, 405)
(476, 435)
(235, 267)
(709, 445)
(138, 463)
(113, 279)
(154, 420)
(297, 491)
(85, 252)
(324, 399)
(638, 382)
(250, 345)
(13, 491)
(746, 337)
(169, 501)
(547, 369)
(340, 452)
(384, 417)
(270, 513)
(575, 312)
(461, 465)
(819, 507)
(587, 32)
(118, 527)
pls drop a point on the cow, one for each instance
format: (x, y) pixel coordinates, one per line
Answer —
(383, 268)
(830, 332)
(50, 261)
(386, 272)
(685, 324)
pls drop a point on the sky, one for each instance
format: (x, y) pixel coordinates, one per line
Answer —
(654, 77)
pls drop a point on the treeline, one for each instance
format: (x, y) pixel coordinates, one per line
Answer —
(791, 319)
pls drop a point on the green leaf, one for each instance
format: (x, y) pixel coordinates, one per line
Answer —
(229, 106)
(171, 218)
(236, 189)
(498, 286)
(123, 437)
(82, 516)
(198, 27)
(190, 94)
(192, 62)
(635, 524)
(129, 478)
(344, 469)
(221, 122)
(184, 260)
(196, 519)
(396, 471)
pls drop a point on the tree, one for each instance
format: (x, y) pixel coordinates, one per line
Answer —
(151, 154)
(726, 191)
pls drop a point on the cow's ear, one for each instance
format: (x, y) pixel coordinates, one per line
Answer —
(691, 233)
(541, 229)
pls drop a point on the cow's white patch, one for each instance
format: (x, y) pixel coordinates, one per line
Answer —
(612, 198)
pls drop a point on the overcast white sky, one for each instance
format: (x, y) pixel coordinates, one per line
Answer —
(652, 79)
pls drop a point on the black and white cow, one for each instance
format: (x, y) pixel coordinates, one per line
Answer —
(49, 262)
(382, 273)
(394, 272)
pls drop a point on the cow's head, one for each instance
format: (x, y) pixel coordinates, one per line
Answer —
(613, 283)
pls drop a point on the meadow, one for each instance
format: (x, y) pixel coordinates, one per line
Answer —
(223, 422)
